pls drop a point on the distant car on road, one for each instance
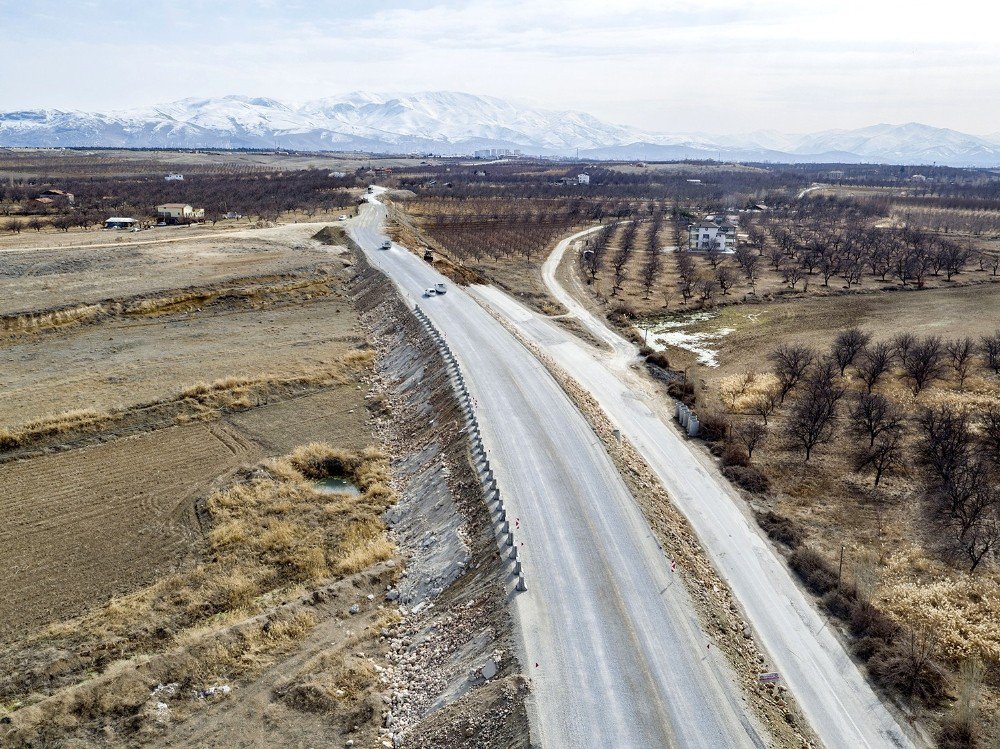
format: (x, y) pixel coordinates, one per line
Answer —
(343, 218)
(431, 291)
(386, 245)
(439, 288)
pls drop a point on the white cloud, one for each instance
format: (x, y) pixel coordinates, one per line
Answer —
(720, 65)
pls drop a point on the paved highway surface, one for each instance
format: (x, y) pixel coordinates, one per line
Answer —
(610, 640)
(841, 706)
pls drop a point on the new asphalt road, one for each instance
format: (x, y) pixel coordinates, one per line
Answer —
(610, 640)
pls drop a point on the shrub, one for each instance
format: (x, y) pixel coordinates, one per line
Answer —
(748, 478)
(682, 390)
(813, 569)
(659, 359)
(781, 529)
(733, 455)
(866, 647)
(956, 733)
(838, 604)
(868, 621)
(910, 672)
(622, 315)
(713, 427)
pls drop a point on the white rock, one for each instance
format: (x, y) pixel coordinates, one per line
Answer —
(489, 669)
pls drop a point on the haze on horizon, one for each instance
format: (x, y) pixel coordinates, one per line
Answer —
(721, 66)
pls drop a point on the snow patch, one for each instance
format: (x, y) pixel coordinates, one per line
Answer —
(701, 343)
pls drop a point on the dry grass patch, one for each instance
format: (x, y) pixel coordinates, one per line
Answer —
(196, 402)
(241, 293)
(271, 535)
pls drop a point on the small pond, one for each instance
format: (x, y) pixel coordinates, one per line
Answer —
(335, 485)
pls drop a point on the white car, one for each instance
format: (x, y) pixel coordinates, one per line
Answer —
(431, 291)
(343, 218)
(439, 288)
(386, 245)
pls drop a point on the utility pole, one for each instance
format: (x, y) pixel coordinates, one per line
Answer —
(840, 572)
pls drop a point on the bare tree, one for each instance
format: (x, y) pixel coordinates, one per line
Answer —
(751, 435)
(792, 274)
(706, 289)
(874, 362)
(848, 345)
(946, 441)
(749, 263)
(765, 403)
(686, 274)
(960, 352)
(903, 342)
(967, 504)
(813, 416)
(873, 415)
(790, 365)
(725, 278)
(883, 455)
(991, 351)
(924, 362)
(989, 434)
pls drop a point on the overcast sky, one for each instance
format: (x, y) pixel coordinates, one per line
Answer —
(704, 65)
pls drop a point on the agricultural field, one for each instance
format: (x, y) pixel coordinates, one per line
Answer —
(499, 225)
(915, 518)
(158, 479)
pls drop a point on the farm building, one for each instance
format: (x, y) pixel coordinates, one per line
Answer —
(172, 213)
(119, 222)
(174, 177)
(583, 179)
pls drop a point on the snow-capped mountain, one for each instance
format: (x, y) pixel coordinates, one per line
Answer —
(457, 123)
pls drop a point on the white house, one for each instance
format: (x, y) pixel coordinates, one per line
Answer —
(171, 213)
(174, 177)
(119, 222)
(583, 179)
(718, 235)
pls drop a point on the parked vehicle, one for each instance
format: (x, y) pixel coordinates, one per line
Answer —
(430, 291)
(439, 288)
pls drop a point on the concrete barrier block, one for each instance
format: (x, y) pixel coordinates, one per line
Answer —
(521, 586)
(517, 568)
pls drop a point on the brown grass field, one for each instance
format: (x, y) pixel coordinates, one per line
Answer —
(891, 553)
(137, 525)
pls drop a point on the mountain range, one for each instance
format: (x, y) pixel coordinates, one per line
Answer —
(449, 123)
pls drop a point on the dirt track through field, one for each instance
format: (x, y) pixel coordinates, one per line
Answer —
(82, 525)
